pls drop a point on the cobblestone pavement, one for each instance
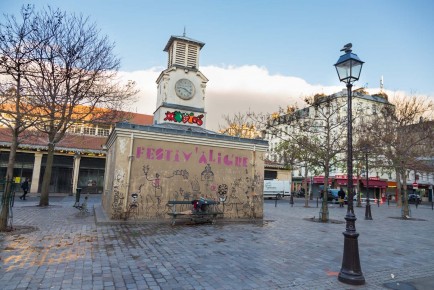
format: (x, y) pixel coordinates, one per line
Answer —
(67, 250)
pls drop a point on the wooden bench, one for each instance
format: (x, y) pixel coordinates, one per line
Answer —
(200, 210)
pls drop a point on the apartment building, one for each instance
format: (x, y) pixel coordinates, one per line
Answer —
(380, 183)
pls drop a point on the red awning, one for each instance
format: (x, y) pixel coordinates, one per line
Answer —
(320, 180)
(343, 181)
(375, 183)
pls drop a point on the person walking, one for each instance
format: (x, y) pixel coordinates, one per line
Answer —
(341, 195)
(25, 188)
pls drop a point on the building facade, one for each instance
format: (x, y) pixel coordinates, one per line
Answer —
(380, 183)
(79, 160)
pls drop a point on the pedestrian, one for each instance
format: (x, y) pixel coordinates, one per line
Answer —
(25, 188)
(341, 195)
(321, 193)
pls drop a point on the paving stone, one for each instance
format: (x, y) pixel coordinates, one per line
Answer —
(286, 251)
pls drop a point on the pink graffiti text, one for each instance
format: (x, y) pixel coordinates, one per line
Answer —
(203, 157)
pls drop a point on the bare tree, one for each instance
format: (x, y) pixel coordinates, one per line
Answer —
(315, 136)
(71, 75)
(405, 135)
(324, 127)
(16, 49)
(295, 155)
(239, 125)
(74, 74)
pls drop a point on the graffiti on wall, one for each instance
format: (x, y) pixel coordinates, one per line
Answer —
(207, 156)
(222, 192)
(118, 194)
(132, 210)
(186, 118)
(152, 196)
(151, 203)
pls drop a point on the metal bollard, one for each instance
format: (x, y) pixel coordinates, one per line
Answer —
(275, 203)
(317, 202)
(291, 200)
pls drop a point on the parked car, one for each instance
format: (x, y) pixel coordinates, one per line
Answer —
(363, 199)
(412, 197)
(332, 195)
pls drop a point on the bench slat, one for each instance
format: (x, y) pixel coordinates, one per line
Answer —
(194, 214)
(179, 202)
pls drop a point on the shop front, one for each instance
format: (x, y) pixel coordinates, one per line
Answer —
(424, 190)
(374, 185)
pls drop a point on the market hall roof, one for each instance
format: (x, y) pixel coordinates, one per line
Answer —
(77, 143)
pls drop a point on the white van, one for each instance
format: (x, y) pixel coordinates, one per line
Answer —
(277, 188)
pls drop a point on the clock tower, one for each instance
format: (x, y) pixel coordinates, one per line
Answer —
(181, 87)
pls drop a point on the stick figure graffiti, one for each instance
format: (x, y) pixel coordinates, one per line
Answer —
(207, 174)
(158, 190)
(153, 202)
(222, 192)
(133, 206)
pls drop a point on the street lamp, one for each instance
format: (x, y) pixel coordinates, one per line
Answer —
(368, 215)
(348, 68)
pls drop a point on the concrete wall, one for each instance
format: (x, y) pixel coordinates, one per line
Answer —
(167, 167)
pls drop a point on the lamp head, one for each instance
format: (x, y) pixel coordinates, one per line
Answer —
(349, 65)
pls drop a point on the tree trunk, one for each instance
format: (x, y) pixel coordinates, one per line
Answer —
(306, 198)
(399, 187)
(405, 213)
(8, 194)
(47, 176)
(324, 213)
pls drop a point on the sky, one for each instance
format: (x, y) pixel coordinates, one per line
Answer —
(260, 55)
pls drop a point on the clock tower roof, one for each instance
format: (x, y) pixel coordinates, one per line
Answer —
(182, 38)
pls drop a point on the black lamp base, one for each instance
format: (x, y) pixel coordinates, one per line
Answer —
(351, 272)
(368, 215)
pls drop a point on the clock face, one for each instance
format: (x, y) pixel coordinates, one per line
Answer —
(184, 89)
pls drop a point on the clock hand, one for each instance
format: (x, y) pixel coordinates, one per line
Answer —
(187, 90)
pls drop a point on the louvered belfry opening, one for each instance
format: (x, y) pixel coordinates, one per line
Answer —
(180, 53)
(183, 54)
(192, 56)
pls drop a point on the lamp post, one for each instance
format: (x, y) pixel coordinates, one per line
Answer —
(368, 215)
(348, 68)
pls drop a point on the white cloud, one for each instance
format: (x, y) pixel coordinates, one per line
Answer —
(233, 89)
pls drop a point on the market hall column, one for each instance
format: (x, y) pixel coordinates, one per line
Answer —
(75, 170)
(36, 172)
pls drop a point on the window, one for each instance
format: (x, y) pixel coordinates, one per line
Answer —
(76, 129)
(89, 130)
(103, 132)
